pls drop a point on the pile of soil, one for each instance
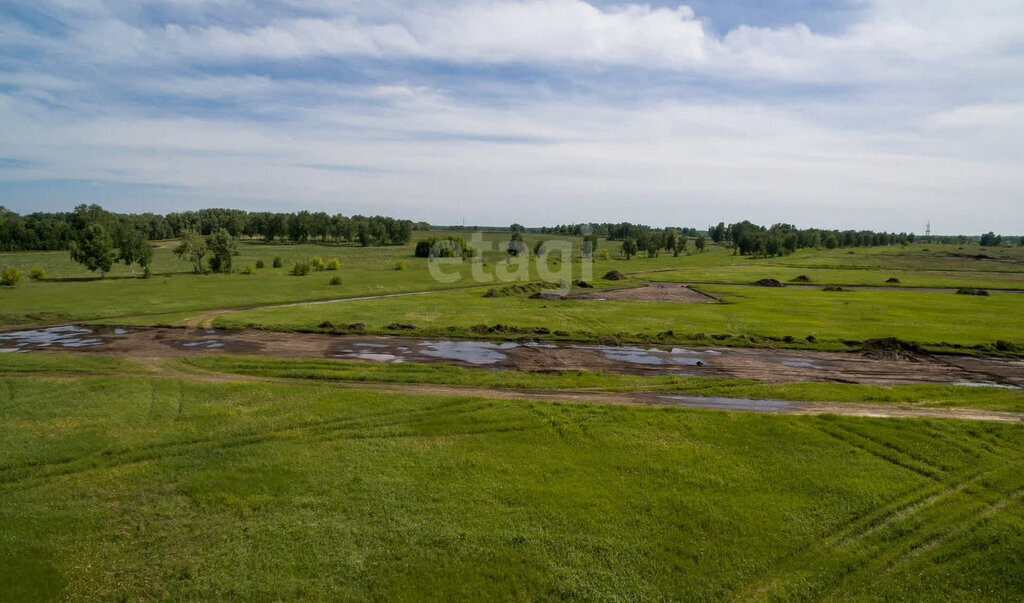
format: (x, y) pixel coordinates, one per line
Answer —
(614, 275)
(971, 291)
(548, 295)
(769, 282)
(893, 280)
(891, 348)
(582, 284)
(833, 288)
(803, 278)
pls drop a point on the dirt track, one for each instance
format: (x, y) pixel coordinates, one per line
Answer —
(162, 370)
(769, 365)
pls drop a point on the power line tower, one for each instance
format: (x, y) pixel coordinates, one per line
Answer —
(928, 231)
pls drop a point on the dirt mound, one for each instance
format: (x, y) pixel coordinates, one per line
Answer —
(971, 291)
(614, 275)
(891, 348)
(397, 326)
(548, 295)
(893, 280)
(833, 288)
(582, 284)
(803, 278)
(659, 292)
(769, 282)
(516, 289)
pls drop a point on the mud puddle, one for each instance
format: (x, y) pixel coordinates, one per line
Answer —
(774, 366)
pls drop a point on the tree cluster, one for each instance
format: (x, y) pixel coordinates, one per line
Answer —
(52, 231)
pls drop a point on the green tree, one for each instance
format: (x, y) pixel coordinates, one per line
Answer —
(135, 249)
(192, 248)
(516, 245)
(222, 247)
(94, 249)
(831, 242)
(629, 248)
(701, 243)
(682, 242)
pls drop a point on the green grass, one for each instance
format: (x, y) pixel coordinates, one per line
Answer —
(928, 317)
(136, 488)
(68, 363)
(990, 398)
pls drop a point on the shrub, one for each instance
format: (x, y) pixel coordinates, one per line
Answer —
(335, 280)
(971, 291)
(333, 264)
(277, 262)
(10, 276)
(445, 247)
(37, 274)
(614, 275)
(604, 254)
(146, 273)
(399, 264)
(249, 269)
(316, 263)
(300, 269)
(259, 264)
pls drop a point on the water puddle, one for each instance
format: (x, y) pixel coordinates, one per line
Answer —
(650, 356)
(67, 337)
(473, 352)
(966, 383)
(205, 344)
(800, 363)
(372, 357)
(729, 403)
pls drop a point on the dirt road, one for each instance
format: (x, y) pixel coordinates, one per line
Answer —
(768, 365)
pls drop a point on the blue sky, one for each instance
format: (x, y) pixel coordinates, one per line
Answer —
(859, 114)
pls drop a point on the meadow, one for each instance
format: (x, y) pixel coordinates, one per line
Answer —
(145, 487)
(176, 296)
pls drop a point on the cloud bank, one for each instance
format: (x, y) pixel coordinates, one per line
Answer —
(532, 111)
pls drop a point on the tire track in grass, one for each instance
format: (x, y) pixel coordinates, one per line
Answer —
(869, 446)
(919, 540)
(102, 459)
(904, 508)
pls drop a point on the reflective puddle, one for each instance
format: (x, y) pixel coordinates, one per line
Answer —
(66, 337)
(473, 352)
(728, 403)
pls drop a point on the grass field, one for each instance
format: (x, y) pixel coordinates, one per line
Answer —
(831, 317)
(989, 398)
(140, 487)
(174, 295)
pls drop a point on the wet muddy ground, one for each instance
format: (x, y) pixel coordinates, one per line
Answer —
(768, 365)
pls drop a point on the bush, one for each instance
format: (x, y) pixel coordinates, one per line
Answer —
(333, 264)
(400, 265)
(445, 247)
(614, 275)
(277, 262)
(146, 273)
(604, 254)
(259, 264)
(335, 281)
(316, 263)
(971, 291)
(249, 269)
(37, 274)
(300, 269)
(10, 276)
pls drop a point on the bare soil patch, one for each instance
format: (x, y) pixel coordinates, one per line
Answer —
(652, 291)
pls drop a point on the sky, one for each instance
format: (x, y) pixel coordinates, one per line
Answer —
(880, 114)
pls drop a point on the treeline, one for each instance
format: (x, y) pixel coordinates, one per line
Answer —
(781, 239)
(51, 231)
(613, 232)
